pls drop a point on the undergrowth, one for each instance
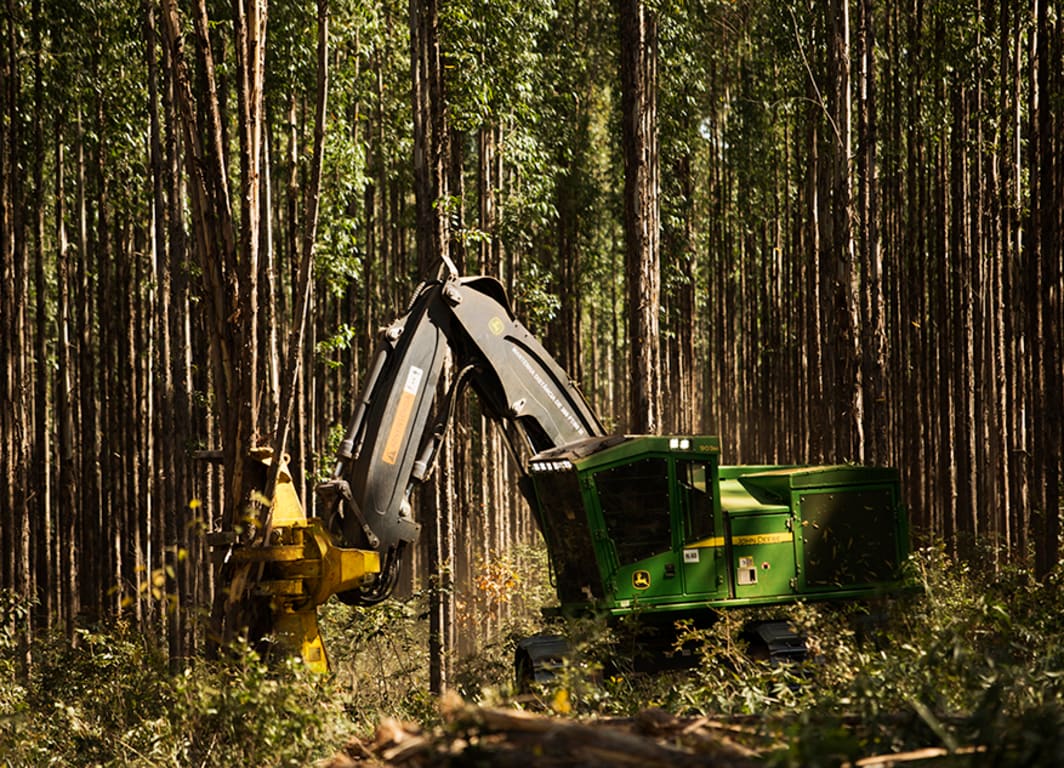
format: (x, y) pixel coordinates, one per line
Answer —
(972, 662)
(110, 699)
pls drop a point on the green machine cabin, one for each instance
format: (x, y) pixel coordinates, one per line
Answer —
(656, 525)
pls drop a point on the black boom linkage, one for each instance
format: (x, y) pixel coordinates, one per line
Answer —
(398, 425)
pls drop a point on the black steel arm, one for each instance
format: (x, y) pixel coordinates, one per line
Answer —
(393, 437)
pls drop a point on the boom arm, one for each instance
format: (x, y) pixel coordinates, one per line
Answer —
(397, 426)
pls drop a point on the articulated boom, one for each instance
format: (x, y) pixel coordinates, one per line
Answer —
(399, 421)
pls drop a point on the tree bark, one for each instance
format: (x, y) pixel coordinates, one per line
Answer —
(638, 44)
(432, 198)
(431, 139)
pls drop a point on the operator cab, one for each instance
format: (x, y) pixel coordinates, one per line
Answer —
(626, 519)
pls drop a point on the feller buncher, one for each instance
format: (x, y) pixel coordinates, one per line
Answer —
(645, 524)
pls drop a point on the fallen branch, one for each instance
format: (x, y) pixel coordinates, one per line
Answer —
(501, 737)
(928, 753)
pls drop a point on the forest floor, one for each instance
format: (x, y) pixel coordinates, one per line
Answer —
(490, 736)
(494, 737)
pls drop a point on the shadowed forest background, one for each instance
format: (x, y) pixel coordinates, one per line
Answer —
(860, 259)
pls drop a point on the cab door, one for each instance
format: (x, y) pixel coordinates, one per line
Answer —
(701, 529)
(636, 509)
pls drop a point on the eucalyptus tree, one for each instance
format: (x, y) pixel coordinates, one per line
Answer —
(15, 415)
(639, 132)
(682, 106)
(1047, 315)
(571, 56)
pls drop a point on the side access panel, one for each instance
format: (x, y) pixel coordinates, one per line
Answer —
(762, 555)
(849, 537)
(850, 525)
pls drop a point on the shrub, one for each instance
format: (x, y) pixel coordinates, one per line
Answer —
(109, 699)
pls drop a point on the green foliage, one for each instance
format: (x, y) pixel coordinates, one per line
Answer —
(973, 660)
(537, 305)
(380, 653)
(14, 613)
(492, 58)
(109, 699)
(276, 714)
(91, 702)
(327, 349)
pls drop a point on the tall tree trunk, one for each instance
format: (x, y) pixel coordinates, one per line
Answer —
(87, 446)
(639, 45)
(68, 533)
(43, 524)
(431, 139)
(873, 336)
(431, 191)
(486, 194)
(842, 418)
(304, 282)
(1048, 165)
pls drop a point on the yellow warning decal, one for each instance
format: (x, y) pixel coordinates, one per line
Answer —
(403, 410)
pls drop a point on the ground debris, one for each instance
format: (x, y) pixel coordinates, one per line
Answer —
(496, 737)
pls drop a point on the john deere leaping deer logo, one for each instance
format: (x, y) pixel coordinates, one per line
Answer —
(641, 579)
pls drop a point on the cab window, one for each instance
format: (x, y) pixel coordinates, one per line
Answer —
(634, 499)
(696, 499)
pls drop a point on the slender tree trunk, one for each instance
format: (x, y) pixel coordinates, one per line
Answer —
(8, 157)
(873, 337)
(638, 37)
(1048, 149)
(89, 478)
(68, 535)
(842, 418)
(304, 283)
(431, 191)
(43, 525)
(486, 198)
(431, 138)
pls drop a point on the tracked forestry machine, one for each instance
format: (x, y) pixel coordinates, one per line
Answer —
(645, 524)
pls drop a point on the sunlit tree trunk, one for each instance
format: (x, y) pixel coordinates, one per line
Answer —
(638, 38)
(872, 338)
(431, 156)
